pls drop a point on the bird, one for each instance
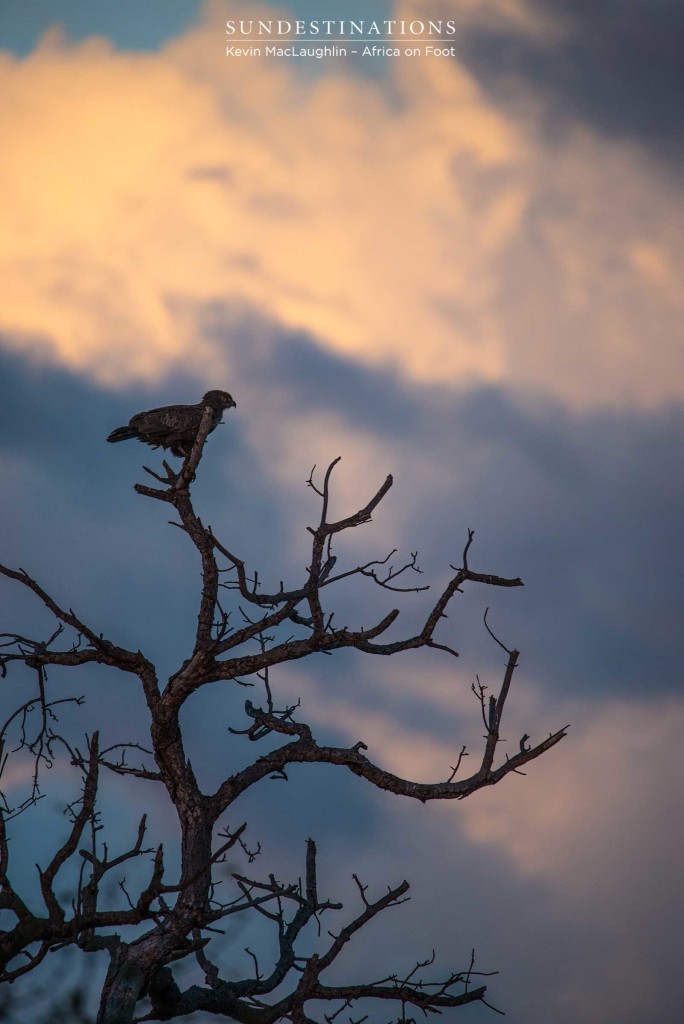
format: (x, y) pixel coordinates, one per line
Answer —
(174, 427)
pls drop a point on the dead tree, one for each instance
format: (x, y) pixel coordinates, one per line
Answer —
(170, 920)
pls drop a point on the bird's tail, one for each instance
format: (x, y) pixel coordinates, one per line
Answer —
(122, 434)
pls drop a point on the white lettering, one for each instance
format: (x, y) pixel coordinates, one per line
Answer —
(380, 51)
(437, 51)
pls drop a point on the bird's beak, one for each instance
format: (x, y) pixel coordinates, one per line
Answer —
(233, 404)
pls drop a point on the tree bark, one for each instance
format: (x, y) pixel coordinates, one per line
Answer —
(122, 987)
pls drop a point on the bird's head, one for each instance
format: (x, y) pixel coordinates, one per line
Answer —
(219, 400)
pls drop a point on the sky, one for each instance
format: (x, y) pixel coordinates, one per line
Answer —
(462, 270)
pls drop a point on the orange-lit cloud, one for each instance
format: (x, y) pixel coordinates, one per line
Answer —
(404, 222)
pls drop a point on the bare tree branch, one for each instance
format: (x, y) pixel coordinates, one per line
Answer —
(153, 921)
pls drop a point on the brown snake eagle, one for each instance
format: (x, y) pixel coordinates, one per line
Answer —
(174, 427)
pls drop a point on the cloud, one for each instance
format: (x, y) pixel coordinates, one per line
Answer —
(354, 254)
(556, 878)
(588, 838)
(613, 66)
(584, 508)
(596, 825)
(404, 222)
(589, 821)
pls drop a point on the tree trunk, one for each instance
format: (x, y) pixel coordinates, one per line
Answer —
(122, 987)
(131, 968)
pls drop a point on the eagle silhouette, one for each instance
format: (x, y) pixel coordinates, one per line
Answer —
(174, 427)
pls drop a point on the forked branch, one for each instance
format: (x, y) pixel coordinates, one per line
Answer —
(247, 1000)
(269, 627)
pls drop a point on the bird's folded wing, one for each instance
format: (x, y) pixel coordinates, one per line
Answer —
(161, 421)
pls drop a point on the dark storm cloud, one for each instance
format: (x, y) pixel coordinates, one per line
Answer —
(552, 966)
(70, 516)
(618, 67)
(586, 508)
